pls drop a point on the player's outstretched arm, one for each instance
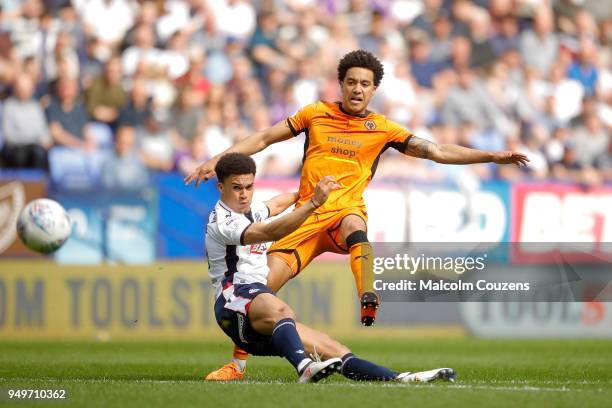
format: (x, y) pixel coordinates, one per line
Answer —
(260, 232)
(281, 202)
(455, 154)
(250, 145)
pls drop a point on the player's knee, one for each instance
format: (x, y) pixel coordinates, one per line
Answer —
(283, 311)
(353, 224)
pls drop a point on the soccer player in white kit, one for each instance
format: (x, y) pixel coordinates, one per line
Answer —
(246, 309)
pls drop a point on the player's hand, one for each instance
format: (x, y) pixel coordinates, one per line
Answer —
(203, 172)
(509, 157)
(324, 189)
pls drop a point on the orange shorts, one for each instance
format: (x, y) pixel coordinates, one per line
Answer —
(319, 233)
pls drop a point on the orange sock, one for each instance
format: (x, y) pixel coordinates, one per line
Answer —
(240, 353)
(362, 265)
(240, 358)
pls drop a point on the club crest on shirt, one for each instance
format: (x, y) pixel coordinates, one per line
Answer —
(369, 124)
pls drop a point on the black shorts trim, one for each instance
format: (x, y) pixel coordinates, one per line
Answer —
(294, 252)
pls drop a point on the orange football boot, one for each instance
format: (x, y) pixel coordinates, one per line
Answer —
(229, 372)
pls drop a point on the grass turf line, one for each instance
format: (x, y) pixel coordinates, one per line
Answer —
(137, 374)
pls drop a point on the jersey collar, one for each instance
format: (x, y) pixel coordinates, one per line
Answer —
(248, 214)
(363, 115)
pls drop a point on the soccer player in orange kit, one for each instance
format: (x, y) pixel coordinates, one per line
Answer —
(346, 140)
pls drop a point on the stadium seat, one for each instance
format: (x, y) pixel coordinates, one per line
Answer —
(74, 169)
(103, 135)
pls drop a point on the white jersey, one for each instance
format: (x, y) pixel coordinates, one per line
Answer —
(228, 257)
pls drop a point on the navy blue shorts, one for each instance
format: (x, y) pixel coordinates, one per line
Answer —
(232, 317)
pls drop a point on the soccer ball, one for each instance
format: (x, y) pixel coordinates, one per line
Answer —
(43, 225)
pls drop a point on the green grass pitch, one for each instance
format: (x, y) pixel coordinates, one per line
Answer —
(495, 373)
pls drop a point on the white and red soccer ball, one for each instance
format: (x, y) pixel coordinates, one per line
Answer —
(43, 225)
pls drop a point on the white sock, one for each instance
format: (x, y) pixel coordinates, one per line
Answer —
(303, 364)
(240, 363)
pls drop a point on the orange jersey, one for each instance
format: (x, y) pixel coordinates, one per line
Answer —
(345, 146)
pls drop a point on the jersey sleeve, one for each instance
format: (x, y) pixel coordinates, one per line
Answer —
(397, 136)
(232, 229)
(300, 121)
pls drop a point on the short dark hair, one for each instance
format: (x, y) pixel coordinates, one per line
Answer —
(234, 164)
(361, 59)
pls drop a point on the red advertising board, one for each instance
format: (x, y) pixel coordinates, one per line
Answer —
(561, 222)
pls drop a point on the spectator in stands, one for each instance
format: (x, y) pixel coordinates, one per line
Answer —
(155, 141)
(480, 37)
(24, 128)
(398, 94)
(359, 16)
(186, 118)
(540, 45)
(569, 168)
(534, 137)
(194, 77)
(136, 110)
(568, 93)
(107, 20)
(234, 18)
(591, 140)
(583, 69)
(215, 136)
(340, 42)
(427, 19)
(461, 54)
(469, 101)
(175, 58)
(604, 163)
(441, 39)
(422, 66)
(187, 161)
(372, 40)
(264, 47)
(556, 145)
(547, 116)
(124, 169)
(68, 117)
(305, 36)
(105, 96)
(142, 52)
(507, 38)
(148, 15)
(555, 79)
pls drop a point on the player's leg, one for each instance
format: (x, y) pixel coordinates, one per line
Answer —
(288, 257)
(353, 234)
(355, 368)
(280, 273)
(270, 316)
(320, 344)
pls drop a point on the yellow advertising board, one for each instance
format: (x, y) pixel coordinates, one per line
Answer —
(46, 300)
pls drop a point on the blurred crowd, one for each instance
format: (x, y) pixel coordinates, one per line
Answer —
(103, 92)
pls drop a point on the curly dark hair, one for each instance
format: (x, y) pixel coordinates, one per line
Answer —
(234, 164)
(361, 59)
